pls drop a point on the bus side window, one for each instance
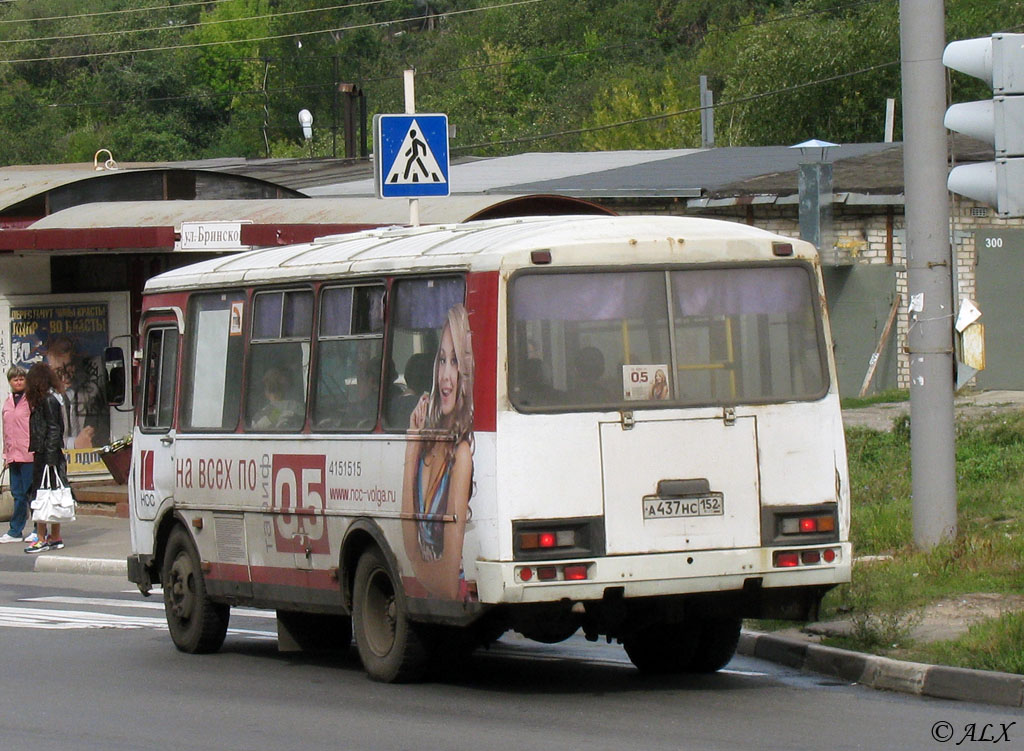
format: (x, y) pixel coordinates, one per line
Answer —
(158, 385)
(418, 315)
(350, 346)
(279, 351)
(212, 381)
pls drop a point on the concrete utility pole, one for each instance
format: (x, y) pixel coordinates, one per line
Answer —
(929, 272)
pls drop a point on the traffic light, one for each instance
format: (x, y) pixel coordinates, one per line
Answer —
(999, 61)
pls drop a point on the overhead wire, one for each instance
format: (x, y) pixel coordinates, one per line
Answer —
(193, 25)
(760, 22)
(677, 113)
(291, 35)
(107, 12)
(521, 139)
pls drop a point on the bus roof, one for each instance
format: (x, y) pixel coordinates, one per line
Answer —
(488, 246)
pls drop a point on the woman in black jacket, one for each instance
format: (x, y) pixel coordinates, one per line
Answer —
(46, 441)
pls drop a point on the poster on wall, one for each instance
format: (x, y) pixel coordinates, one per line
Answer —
(71, 338)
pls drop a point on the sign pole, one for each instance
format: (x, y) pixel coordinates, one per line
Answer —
(410, 109)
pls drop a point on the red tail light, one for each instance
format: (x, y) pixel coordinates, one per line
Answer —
(786, 560)
(804, 525)
(791, 558)
(810, 556)
(575, 573)
(547, 573)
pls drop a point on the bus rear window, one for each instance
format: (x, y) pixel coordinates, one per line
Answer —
(631, 339)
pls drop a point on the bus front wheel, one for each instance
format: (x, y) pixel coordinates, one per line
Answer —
(389, 647)
(197, 624)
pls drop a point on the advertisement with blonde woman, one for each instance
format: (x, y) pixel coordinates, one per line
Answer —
(438, 479)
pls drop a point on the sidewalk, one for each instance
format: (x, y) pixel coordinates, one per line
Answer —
(95, 544)
(881, 416)
(101, 545)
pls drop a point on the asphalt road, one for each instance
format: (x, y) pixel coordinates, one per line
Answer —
(88, 665)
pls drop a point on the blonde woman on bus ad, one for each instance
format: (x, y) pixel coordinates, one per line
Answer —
(438, 476)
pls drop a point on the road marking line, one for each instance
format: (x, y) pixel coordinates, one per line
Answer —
(146, 605)
(40, 618)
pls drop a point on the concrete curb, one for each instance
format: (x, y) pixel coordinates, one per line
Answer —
(939, 681)
(61, 564)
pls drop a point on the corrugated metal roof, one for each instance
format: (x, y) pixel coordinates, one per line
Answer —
(689, 175)
(19, 183)
(492, 175)
(23, 182)
(351, 210)
(484, 246)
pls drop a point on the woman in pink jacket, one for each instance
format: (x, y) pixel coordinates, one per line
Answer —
(17, 458)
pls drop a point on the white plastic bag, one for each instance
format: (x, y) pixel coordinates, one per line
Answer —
(54, 502)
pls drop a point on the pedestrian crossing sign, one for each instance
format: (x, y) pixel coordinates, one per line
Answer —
(411, 155)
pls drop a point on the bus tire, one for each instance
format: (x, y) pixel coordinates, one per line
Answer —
(197, 624)
(661, 649)
(389, 647)
(716, 644)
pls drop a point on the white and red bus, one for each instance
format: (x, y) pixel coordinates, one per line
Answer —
(424, 437)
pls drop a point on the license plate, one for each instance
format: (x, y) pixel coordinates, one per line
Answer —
(712, 504)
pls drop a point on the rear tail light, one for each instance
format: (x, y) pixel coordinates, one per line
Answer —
(568, 572)
(812, 557)
(786, 560)
(575, 573)
(562, 538)
(807, 525)
(558, 538)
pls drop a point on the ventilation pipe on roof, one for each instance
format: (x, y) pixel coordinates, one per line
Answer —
(815, 193)
(108, 164)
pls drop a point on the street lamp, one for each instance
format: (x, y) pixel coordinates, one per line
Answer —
(306, 121)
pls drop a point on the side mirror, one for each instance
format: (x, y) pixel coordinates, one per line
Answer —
(113, 360)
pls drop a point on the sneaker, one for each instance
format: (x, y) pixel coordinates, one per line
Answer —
(55, 544)
(8, 537)
(32, 538)
(38, 546)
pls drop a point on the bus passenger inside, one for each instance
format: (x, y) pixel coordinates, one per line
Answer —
(279, 411)
(534, 388)
(589, 368)
(419, 378)
(363, 395)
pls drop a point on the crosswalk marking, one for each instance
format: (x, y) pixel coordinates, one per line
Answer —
(144, 604)
(59, 619)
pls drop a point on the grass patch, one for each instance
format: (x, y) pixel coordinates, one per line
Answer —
(882, 397)
(992, 645)
(885, 599)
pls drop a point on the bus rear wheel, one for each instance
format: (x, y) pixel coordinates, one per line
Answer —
(389, 647)
(716, 644)
(197, 624)
(661, 649)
